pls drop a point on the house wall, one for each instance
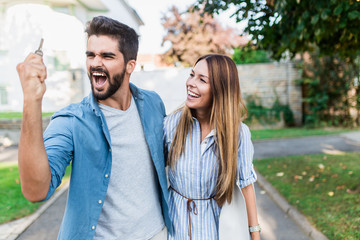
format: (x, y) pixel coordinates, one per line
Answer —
(268, 82)
(272, 81)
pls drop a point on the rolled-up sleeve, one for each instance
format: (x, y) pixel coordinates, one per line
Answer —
(59, 148)
(170, 124)
(246, 172)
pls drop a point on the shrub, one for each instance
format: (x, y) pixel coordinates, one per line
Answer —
(265, 116)
(249, 54)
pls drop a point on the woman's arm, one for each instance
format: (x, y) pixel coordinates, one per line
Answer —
(250, 201)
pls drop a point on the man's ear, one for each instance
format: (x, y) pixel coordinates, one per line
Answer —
(130, 66)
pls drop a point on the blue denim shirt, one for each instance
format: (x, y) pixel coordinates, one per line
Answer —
(79, 134)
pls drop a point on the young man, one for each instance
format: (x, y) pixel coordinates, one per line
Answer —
(113, 140)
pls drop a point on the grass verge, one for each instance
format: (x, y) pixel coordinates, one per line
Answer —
(18, 115)
(295, 132)
(13, 204)
(325, 188)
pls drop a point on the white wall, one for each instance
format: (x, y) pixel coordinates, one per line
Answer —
(22, 27)
(169, 83)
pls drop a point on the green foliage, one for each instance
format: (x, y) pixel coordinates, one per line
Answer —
(327, 84)
(307, 182)
(296, 25)
(250, 54)
(258, 113)
(286, 112)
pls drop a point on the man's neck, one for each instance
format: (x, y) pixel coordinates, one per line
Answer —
(121, 99)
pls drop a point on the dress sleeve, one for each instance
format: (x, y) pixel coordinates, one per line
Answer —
(246, 172)
(59, 149)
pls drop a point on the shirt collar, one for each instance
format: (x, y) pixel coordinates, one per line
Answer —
(211, 133)
(135, 91)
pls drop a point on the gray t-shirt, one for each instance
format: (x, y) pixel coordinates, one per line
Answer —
(132, 208)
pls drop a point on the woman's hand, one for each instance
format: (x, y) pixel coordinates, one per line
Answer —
(255, 235)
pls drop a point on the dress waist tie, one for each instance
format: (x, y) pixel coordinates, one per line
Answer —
(190, 206)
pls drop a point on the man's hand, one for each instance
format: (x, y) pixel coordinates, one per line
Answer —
(32, 74)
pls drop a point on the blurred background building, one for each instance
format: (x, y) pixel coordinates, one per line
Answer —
(61, 23)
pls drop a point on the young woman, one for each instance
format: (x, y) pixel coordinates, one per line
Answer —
(209, 153)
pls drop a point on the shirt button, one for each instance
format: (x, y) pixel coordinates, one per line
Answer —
(106, 175)
(99, 201)
(109, 149)
(93, 227)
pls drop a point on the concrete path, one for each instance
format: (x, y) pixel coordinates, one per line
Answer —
(279, 220)
(333, 144)
(9, 154)
(47, 226)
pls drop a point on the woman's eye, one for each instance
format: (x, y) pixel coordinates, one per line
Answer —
(201, 79)
(191, 75)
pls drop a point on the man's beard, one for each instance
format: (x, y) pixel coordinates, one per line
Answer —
(114, 84)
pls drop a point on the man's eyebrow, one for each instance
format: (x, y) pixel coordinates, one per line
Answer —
(107, 54)
(104, 54)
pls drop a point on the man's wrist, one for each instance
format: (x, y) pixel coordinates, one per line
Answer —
(32, 99)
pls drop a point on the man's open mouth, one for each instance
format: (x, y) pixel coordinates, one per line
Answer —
(99, 79)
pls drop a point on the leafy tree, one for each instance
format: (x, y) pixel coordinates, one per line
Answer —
(326, 29)
(192, 35)
(329, 91)
(297, 25)
(249, 54)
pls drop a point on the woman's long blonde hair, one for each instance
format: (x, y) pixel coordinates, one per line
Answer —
(227, 112)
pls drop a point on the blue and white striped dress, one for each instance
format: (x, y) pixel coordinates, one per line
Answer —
(195, 177)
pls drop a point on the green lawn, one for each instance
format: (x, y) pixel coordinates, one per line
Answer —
(325, 188)
(295, 132)
(10, 115)
(13, 205)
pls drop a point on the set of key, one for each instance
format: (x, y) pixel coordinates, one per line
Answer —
(39, 50)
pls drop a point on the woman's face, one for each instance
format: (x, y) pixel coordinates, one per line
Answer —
(199, 96)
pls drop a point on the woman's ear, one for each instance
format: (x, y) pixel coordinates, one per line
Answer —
(130, 66)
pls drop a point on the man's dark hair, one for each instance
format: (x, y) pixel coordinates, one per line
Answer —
(128, 40)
